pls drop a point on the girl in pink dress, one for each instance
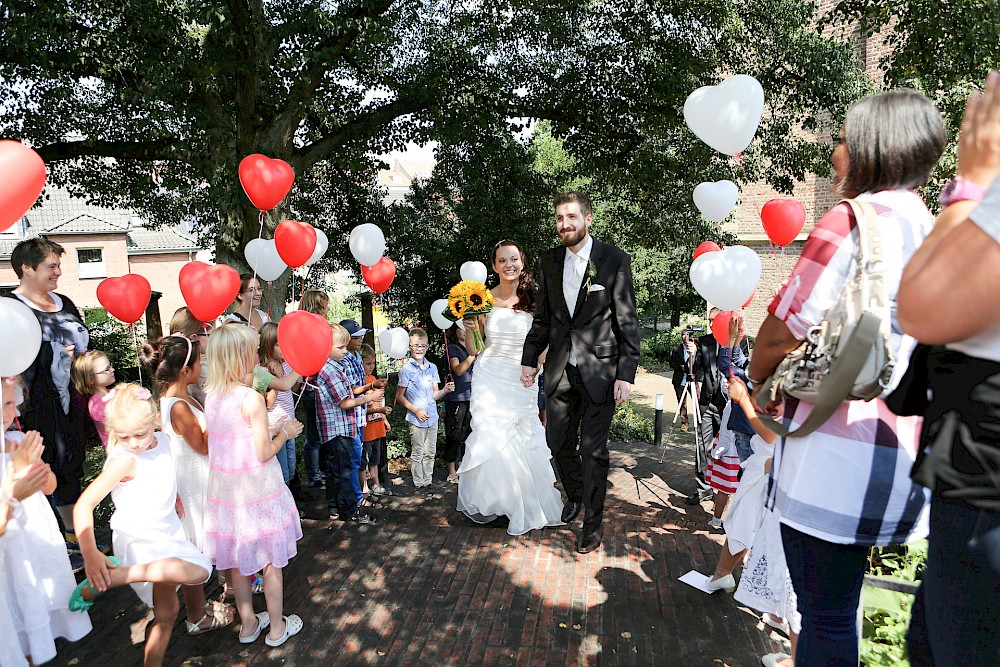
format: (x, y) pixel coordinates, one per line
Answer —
(251, 522)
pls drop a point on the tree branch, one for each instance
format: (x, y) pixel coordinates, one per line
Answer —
(159, 149)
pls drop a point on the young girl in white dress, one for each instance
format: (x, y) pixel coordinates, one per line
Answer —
(175, 364)
(152, 553)
(34, 566)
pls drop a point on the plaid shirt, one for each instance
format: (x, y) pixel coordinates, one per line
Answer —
(355, 371)
(848, 482)
(333, 387)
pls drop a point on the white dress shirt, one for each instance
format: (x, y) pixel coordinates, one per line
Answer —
(574, 271)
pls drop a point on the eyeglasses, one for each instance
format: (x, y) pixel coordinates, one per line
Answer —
(109, 369)
(418, 348)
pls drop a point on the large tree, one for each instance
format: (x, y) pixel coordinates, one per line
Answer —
(151, 104)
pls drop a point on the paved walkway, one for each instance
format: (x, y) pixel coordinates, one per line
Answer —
(426, 586)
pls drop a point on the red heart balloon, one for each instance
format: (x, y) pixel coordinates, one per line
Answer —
(380, 276)
(706, 246)
(783, 220)
(305, 340)
(752, 295)
(295, 242)
(22, 177)
(720, 327)
(125, 298)
(208, 290)
(265, 180)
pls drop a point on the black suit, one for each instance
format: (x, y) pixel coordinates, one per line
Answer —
(604, 334)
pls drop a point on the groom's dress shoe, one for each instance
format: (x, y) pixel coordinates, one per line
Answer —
(570, 511)
(590, 541)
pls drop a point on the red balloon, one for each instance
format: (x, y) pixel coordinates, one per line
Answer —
(783, 220)
(208, 290)
(752, 295)
(305, 341)
(266, 181)
(706, 246)
(380, 276)
(295, 242)
(720, 326)
(125, 298)
(22, 177)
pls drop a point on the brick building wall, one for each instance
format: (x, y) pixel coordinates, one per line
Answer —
(162, 270)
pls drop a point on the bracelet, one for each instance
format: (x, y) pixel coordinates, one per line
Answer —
(757, 382)
(285, 432)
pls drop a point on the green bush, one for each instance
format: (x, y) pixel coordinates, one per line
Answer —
(887, 613)
(115, 339)
(630, 425)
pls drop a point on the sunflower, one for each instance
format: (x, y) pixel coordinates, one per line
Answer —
(478, 296)
(457, 306)
(465, 287)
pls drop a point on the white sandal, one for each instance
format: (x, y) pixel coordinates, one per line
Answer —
(219, 613)
(263, 621)
(293, 625)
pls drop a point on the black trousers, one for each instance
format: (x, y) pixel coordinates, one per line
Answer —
(457, 427)
(577, 432)
(335, 456)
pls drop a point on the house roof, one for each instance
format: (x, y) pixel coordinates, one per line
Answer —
(60, 213)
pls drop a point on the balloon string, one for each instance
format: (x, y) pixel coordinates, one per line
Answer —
(778, 261)
(447, 355)
(260, 233)
(305, 384)
(135, 338)
(302, 296)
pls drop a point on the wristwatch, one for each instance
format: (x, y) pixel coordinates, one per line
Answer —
(959, 189)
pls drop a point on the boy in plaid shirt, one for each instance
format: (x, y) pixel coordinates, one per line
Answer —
(335, 403)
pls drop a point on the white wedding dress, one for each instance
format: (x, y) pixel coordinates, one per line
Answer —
(507, 469)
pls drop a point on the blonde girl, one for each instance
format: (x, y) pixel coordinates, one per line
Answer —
(251, 522)
(92, 374)
(152, 553)
(34, 567)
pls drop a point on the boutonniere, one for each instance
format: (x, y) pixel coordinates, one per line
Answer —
(591, 274)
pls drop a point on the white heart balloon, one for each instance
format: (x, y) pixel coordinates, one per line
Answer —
(437, 316)
(263, 258)
(473, 271)
(20, 337)
(716, 200)
(394, 342)
(726, 116)
(726, 278)
(322, 243)
(367, 244)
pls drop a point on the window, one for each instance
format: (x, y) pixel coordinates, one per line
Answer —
(91, 261)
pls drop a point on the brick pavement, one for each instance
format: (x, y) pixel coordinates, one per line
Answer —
(426, 586)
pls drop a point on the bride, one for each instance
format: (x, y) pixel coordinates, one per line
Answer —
(507, 470)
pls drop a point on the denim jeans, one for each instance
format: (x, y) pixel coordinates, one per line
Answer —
(358, 445)
(743, 446)
(827, 578)
(286, 459)
(336, 456)
(956, 614)
(314, 471)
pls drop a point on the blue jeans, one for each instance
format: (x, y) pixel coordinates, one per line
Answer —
(827, 578)
(314, 471)
(286, 459)
(743, 446)
(337, 454)
(359, 445)
(956, 615)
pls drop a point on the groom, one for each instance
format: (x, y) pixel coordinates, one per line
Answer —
(586, 317)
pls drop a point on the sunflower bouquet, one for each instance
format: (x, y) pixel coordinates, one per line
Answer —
(469, 299)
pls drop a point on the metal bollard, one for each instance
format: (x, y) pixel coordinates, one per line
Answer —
(658, 422)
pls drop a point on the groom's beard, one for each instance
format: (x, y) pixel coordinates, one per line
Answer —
(570, 239)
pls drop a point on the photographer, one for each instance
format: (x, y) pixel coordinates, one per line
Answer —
(682, 364)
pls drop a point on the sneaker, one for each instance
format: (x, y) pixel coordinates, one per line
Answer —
(716, 523)
(317, 484)
(76, 561)
(362, 518)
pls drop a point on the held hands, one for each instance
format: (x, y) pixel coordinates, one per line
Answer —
(979, 139)
(528, 375)
(292, 428)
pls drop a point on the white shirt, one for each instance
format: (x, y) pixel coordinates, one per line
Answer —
(574, 270)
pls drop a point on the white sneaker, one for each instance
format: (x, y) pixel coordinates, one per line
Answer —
(715, 523)
(772, 659)
(726, 583)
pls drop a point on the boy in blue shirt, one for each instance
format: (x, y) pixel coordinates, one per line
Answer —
(418, 392)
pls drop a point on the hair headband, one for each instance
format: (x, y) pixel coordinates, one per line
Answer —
(187, 340)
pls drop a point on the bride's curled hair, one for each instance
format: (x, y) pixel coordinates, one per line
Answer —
(527, 290)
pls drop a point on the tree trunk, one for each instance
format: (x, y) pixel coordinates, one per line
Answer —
(675, 313)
